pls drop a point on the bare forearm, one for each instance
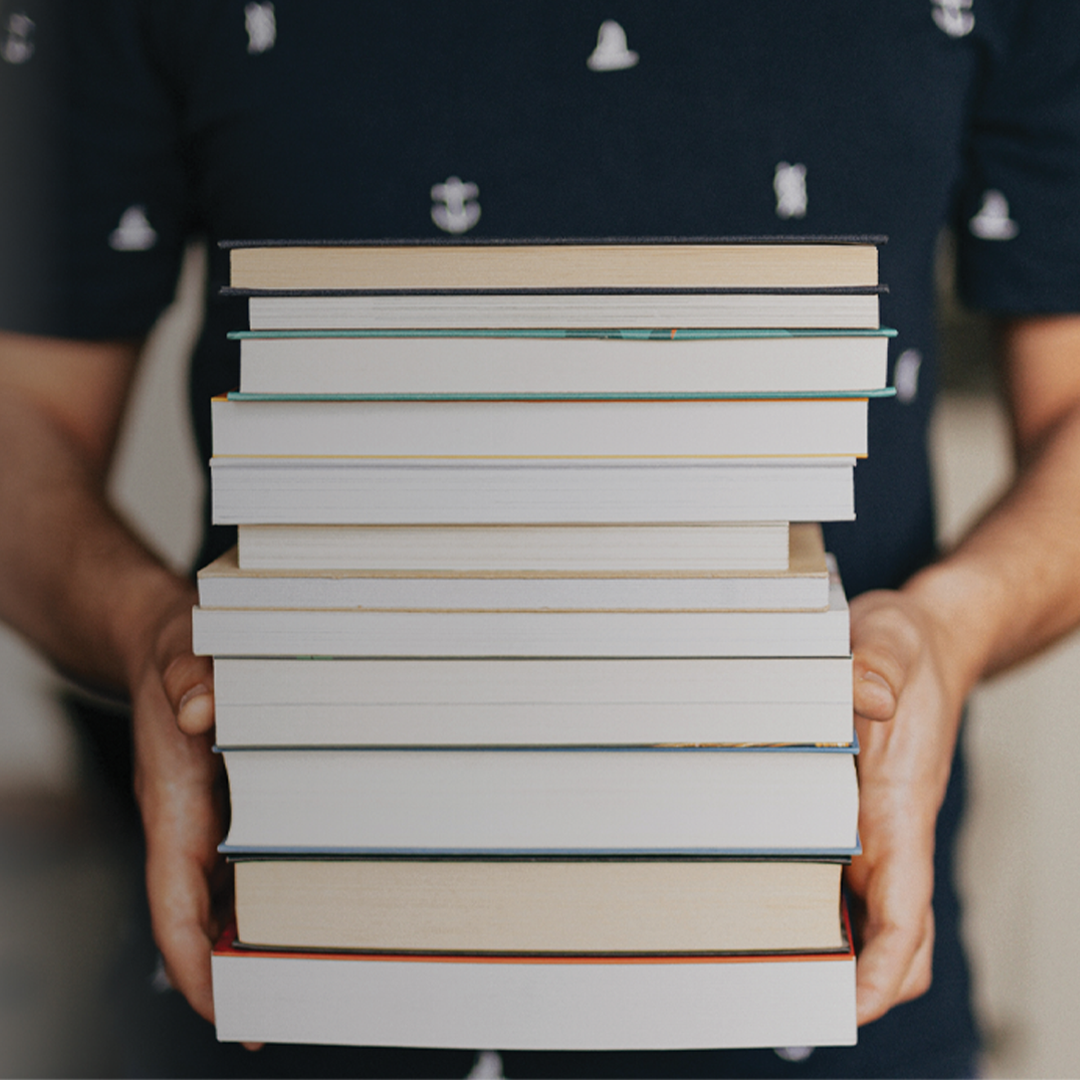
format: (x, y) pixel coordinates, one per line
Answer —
(78, 582)
(73, 577)
(1012, 586)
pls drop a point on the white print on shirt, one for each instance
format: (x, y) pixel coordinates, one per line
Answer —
(17, 47)
(955, 17)
(488, 1066)
(134, 233)
(454, 210)
(992, 222)
(159, 981)
(789, 183)
(906, 375)
(261, 27)
(793, 1053)
(611, 53)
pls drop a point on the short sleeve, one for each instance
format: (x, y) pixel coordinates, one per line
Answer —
(117, 214)
(32, 74)
(1018, 210)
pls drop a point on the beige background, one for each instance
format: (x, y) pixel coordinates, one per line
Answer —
(1020, 865)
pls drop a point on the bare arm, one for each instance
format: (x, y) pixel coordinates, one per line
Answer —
(1009, 589)
(78, 583)
(67, 554)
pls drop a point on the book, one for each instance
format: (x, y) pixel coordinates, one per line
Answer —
(363, 363)
(630, 801)
(501, 549)
(843, 309)
(767, 262)
(366, 491)
(417, 632)
(534, 1003)
(504, 702)
(594, 906)
(802, 586)
(434, 818)
(713, 428)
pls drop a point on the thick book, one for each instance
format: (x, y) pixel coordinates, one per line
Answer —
(713, 428)
(643, 801)
(364, 491)
(760, 262)
(802, 586)
(534, 1003)
(516, 549)
(786, 309)
(341, 702)
(417, 632)
(368, 363)
(594, 906)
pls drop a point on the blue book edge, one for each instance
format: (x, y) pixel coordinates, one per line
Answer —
(577, 853)
(755, 395)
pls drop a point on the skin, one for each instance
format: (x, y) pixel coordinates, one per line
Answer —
(1009, 589)
(92, 596)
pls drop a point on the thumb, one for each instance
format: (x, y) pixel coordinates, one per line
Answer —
(188, 680)
(885, 644)
(195, 710)
(189, 686)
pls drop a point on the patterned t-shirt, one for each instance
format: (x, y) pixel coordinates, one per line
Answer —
(343, 119)
(299, 119)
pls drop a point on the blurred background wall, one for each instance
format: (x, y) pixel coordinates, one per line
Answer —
(1020, 851)
(61, 871)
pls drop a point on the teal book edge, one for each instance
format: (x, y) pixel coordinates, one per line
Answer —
(756, 395)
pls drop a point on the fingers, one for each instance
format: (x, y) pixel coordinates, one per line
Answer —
(179, 789)
(181, 819)
(894, 966)
(892, 886)
(892, 882)
(904, 673)
(182, 930)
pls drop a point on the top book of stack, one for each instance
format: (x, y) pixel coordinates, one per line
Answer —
(718, 284)
(783, 263)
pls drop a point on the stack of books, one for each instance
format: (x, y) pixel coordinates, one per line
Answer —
(532, 673)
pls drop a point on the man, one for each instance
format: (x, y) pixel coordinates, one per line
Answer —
(282, 120)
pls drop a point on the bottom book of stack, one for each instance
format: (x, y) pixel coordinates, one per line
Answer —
(537, 1000)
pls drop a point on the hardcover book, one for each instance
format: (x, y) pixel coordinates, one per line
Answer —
(704, 801)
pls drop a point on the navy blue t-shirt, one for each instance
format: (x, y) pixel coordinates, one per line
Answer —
(236, 120)
(343, 119)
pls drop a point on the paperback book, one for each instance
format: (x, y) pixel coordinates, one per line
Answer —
(560, 363)
(538, 702)
(645, 1002)
(803, 585)
(276, 490)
